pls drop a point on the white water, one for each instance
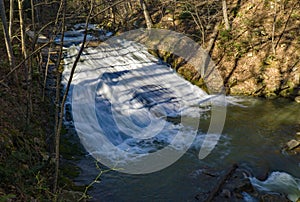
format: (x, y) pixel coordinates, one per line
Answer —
(125, 98)
(76, 35)
(279, 182)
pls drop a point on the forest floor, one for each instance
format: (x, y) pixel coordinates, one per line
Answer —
(25, 162)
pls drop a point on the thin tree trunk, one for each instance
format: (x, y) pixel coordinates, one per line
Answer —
(7, 38)
(22, 28)
(112, 11)
(225, 15)
(129, 6)
(30, 66)
(11, 21)
(27, 67)
(274, 29)
(57, 99)
(146, 14)
(11, 17)
(33, 23)
(59, 126)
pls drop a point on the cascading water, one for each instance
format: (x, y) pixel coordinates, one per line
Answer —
(126, 97)
(280, 182)
(140, 104)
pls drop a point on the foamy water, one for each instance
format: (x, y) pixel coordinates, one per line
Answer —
(125, 97)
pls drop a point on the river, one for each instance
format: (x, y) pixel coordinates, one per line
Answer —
(254, 133)
(252, 137)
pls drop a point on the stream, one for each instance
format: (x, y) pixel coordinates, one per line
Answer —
(129, 98)
(252, 137)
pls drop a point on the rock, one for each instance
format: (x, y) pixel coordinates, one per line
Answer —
(273, 197)
(297, 99)
(292, 144)
(298, 136)
(226, 193)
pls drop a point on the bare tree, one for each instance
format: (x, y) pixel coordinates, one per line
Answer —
(62, 8)
(274, 29)
(27, 66)
(225, 15)
(11, 18)
(146, 14)
(22, 28)
(7, 38)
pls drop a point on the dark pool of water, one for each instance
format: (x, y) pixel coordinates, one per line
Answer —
(252, 137)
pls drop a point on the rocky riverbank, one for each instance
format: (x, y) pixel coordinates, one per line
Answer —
(257, 56)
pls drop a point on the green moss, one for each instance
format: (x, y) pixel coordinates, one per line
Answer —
(271, 95)
(225, 35)
(295, 16)
(188, 75)
(8, 197)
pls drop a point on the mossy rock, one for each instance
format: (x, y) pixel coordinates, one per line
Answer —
(271, 95)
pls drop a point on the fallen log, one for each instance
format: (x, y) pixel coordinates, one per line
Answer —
(222, 181)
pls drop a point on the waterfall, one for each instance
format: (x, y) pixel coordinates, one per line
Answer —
(127, 104)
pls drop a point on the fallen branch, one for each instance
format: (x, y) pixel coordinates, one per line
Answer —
(223, 180)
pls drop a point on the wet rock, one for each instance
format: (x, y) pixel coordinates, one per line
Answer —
(237, 184)
(238, 187)
(292, 144)
(226, 193)
(273, 197)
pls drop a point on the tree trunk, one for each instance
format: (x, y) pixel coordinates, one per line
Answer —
(62, 8)
(274, 29)
(146, 14)
(7, 38)
(21, 18)
(225, 15)
(27, 66)
(11, 17)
